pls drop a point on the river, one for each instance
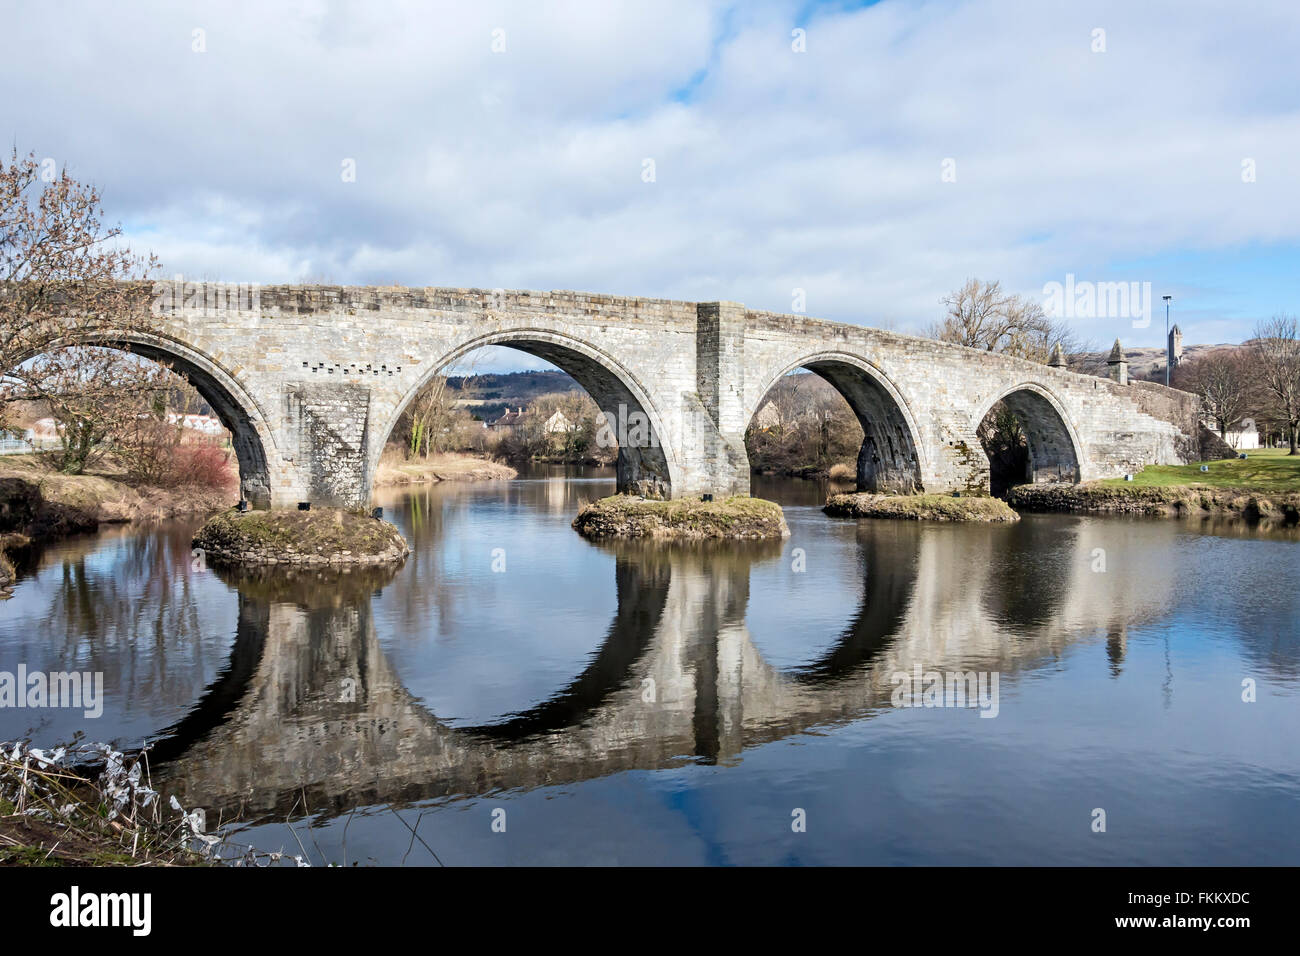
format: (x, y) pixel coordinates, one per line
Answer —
(517, 694)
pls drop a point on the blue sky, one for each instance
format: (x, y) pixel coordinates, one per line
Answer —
(506, 145)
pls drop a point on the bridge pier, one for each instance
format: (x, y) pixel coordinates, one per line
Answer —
(713, 435)
(326, 436)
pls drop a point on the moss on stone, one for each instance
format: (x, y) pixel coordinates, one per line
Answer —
(628, 516)
(323, 536)
(919, 507)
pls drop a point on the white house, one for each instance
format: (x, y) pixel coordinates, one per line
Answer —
(43, 430)
(1244, 435)
(557, 424)
(203, 424)
(768, 416)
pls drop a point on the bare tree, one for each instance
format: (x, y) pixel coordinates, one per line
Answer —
(813, 430)
(428, 418)
(104, 399)
(62, 279)
(1224, 382)
(976, 316)
(980, 315)
(572, 439)
(1277, 352)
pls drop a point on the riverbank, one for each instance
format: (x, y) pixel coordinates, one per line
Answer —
(627, 516)
(1157, 501)
(54, 815)
(838, 472)
(38, 501)
(324, 536)
(1263, 486)
(919, 507)
(449, 466)
(1266, 470)
(10, 543)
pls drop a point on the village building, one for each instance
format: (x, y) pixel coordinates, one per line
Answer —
(208, 425)
(508, 422)
(558, 424)
(1242, 436)
(768, 417)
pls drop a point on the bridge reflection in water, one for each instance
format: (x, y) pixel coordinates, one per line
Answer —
(310, 711)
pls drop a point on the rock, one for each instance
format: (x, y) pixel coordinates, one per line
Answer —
(629, 516)
(321, 537)
(920, 507)
(1157, 501)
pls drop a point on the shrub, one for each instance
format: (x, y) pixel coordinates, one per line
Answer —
(199, 465)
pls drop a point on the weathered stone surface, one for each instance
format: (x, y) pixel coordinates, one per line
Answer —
(1171, 501)
(304, 538)
(627, 516)
(920, 507)
(312, 379)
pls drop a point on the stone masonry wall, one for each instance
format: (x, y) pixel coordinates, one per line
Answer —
(318, 375)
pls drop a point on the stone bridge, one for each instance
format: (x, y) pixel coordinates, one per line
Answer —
(312, 379)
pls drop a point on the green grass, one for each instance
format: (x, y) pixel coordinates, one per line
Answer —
(1266, 469)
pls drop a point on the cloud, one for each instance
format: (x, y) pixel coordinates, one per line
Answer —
(774, 170)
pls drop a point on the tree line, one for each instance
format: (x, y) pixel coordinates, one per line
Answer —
(1259, 380)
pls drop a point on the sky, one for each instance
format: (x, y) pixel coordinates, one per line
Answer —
(854, 161)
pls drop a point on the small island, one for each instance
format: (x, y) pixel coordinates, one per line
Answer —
(328, 536)
(629, 516)
(865, 504)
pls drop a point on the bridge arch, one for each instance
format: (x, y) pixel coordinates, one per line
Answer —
(647, 463)
(230, 402)
(892, 456)
(1055, 453)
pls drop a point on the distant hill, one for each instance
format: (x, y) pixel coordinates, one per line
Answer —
(1149, 363)
(487, 396)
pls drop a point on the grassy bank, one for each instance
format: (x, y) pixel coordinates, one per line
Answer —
(919, 507)
(1263, 470)
(10, 542)
(1265, 486)
(38, 501)
(91, 805)
(394, 469)
(318, 537)
(626, 516)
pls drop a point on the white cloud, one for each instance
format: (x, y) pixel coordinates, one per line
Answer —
(774, 170)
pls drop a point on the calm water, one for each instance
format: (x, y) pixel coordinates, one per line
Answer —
(681, 705)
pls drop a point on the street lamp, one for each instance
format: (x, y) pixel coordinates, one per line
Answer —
(1168, 356)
